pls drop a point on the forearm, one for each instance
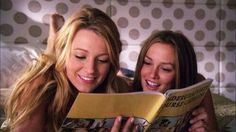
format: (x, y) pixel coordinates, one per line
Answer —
(208, 104)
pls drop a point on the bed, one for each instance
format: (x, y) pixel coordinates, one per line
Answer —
(16, 57)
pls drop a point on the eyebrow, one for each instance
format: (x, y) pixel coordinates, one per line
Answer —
(165, 63)
(80, 49)
(102, 54)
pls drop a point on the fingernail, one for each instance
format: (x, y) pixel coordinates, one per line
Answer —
(132, 120)
(119, 118)
(191, 121)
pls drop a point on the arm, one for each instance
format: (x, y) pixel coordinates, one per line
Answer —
(204, 116)
(208, 103)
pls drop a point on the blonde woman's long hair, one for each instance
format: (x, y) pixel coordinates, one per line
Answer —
(45, 82)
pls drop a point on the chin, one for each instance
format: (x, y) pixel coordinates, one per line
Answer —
(84, 90)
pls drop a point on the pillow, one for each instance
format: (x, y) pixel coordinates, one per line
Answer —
(225, 110)
(14, 59)
(127, 72)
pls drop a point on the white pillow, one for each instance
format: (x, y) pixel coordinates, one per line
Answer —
(14, 59)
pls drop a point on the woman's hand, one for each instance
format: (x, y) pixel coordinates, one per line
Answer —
(128, 126)
(199, 122)
(56, 22)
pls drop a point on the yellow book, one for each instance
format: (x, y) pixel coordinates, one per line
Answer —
(153, 111)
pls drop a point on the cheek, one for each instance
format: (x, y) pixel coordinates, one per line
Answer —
(168, 79)
(103, 70)
(69, 70)
(144, 71)
(70, 65)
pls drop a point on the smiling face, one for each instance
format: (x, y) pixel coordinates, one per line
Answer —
(88, 63)
(158, 70)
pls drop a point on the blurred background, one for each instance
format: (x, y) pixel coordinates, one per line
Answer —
(209, 24)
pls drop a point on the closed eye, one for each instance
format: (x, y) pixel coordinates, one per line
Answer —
(146, 63)
(103, 61)
(167, 69)
(80, 57)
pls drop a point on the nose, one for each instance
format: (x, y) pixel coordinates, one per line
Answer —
(154, 73)
(90, 66)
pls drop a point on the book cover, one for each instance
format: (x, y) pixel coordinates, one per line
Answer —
(176, 112)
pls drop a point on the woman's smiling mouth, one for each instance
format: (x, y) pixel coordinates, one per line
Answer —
(152, 85)
(86, 78)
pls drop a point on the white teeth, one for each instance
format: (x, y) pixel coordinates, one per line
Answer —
(151, 83)
(87, 78)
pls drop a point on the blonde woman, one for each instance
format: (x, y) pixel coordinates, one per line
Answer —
(84, 57)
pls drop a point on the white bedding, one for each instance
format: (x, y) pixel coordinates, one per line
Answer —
(14, 59)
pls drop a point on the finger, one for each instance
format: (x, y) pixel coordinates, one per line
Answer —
(128, 125)
(198, 130)
(202, 116)
(200, 125)
(137, 128)
(199, 110)
(201, 130)
(117, 124)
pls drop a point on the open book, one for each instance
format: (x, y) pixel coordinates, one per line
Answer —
(153, 111)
